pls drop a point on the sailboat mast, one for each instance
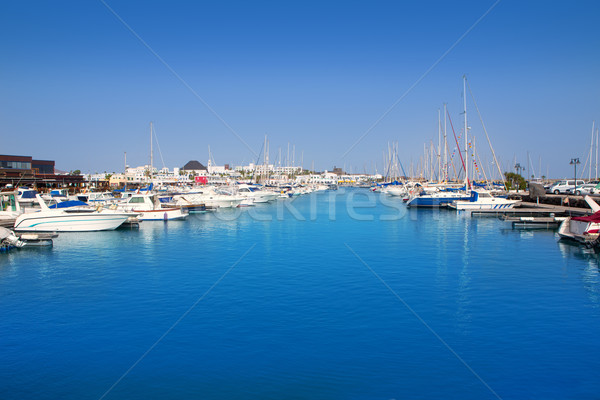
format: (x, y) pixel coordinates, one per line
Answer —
(466, 141)
(151, 152)
(425, 161)
(266, 158)
(534, 175)
(445, 147)
(439, 155)
(596, 153)
(591, 151)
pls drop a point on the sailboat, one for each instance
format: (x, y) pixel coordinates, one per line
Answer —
(437, 199)
(445, 197)
(483, 200)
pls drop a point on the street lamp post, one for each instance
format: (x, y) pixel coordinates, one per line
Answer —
(574, 162)
(519, 168)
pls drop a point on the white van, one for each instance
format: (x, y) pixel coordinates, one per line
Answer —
(561, 187)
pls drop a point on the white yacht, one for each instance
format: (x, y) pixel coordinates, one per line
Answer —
(483, 200)
(69, 219)
(211, 198)
(395, 190)
(255, 194)
(584, 230)
(149, 208)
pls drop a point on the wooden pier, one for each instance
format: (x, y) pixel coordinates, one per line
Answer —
(534, 210)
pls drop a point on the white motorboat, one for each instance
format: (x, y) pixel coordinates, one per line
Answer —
(182, 202)
(395, 190)
(149, 208)
(584, 230)
(483, 200)
(254, 194)
(69, 219)
(211, 198)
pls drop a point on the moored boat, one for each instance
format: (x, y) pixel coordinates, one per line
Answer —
(210, 197)
(68, 219)
(483, 200)
(149, 208)
(255, 194)
(583, 230)
(438, 199)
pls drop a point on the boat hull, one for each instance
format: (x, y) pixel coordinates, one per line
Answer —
(162, 215)
(69, 222)
(465, 206)
(432, 201)
(579, 232)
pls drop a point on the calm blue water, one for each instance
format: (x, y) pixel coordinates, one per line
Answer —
(177, 311)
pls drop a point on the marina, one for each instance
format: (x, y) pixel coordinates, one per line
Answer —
(287, 311)
(299, 200)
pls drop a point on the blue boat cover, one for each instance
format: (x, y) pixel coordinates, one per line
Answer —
(68, 203)
(28, 194)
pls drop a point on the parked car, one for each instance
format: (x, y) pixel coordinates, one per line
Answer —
(561, 187)
(582, 190)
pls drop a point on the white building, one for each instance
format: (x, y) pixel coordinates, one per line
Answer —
(216, 169)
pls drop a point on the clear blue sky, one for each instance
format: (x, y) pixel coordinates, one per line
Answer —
(78, 87)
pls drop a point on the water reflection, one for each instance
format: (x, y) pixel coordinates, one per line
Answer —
(463, 312)
(590, 274)
(574, 250)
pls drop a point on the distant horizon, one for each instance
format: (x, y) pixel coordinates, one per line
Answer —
(580, 175)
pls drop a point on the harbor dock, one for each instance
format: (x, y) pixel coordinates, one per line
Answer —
(528, 209)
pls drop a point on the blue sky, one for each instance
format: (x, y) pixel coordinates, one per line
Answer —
(78, 87)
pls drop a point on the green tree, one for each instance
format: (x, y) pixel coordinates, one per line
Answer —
(515, 181)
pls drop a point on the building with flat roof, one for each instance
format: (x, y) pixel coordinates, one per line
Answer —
(25, 171)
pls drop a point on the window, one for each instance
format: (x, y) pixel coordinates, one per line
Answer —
(15, 164)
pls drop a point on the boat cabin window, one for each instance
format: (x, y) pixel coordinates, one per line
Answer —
(136, 200)
(8, 203)
(484, 195)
